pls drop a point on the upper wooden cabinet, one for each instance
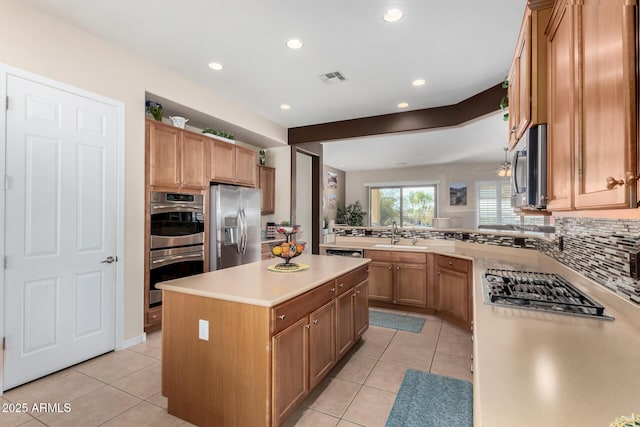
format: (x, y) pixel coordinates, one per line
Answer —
(593, 113)
(267, 185)
(528, 75)
(233, 164)
(176, 158)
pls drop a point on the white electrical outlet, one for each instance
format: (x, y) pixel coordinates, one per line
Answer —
(203, 329)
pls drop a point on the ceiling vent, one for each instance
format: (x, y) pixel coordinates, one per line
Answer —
(332, 78)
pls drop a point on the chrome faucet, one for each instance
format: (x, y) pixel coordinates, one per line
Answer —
(394, 233)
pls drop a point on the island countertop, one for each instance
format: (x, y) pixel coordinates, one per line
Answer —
(254, 284)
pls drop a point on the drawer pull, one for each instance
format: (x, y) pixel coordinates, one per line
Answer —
(341, 285)
(397, 268)
(450, 263)
(333, 289)
(390, 268)
(282, 316)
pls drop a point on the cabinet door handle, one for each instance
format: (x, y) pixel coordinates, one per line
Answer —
(613, 183)
(438, 273)
(367, 270)
(333, 289)
(282, 316)
(353, 295)
(308, 326)
(390, 268)
(357, 292)
(315, 322)
(450, 263)
(341, 285)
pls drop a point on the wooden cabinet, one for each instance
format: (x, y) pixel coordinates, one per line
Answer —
(453, 290)
(344, 323)
(267, 185)
(303, 354)
(290, 368)
(246, 173)
(560, 129)
(351, 301)
(322, 342)
(528, 75)
(176, 158)
(360, 309)
(593, 112)
(233, 164)
(398, 277)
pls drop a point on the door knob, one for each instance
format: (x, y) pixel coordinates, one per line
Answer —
(109, 260)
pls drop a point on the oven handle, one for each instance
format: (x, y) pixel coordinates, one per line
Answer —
(155, 209)
(174, 259)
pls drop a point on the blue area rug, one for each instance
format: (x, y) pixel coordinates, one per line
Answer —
(429, 400)
(396, 321)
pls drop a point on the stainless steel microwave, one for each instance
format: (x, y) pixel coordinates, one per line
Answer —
(529, 170)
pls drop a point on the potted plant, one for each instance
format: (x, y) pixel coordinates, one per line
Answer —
(351, 214)
(155, 109)
(220, 134)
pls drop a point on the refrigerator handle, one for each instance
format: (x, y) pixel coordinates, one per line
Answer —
(244, 232)
(239, 227)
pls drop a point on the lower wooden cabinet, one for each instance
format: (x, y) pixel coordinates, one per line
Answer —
(290, 368)
(305, 352)
(398, 277)
(453, 290)
(322, 342)
(360, 309)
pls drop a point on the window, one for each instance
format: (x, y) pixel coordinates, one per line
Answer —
(408, 206)
(494, 205)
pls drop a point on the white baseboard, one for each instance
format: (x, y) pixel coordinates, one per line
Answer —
(133, 341)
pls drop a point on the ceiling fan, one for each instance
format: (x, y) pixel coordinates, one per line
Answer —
(504, 170)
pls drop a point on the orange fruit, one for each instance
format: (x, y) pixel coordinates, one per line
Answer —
(299, 247)
(285, 250)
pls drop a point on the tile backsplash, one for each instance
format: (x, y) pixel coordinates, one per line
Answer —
(597, 248)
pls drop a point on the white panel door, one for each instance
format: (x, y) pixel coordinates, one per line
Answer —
(60, 227)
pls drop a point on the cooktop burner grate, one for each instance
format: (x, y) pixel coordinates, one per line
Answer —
(538, 291)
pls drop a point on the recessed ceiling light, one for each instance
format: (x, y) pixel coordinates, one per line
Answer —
(392, 15)
(215, 66)
(285, 106)
(403, 105)
(418, 82)
(294, 44)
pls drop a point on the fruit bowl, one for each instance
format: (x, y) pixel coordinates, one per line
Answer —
(288, 250)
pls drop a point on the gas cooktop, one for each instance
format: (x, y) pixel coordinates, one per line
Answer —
(538, 291)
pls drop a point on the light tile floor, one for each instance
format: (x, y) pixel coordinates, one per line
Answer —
(123, 388)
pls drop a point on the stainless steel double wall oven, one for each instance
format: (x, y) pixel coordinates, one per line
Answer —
(177, 239)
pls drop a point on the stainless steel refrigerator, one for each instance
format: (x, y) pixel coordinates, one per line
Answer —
(234, 226)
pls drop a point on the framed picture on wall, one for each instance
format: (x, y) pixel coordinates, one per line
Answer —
(457, 194)
(332, 180)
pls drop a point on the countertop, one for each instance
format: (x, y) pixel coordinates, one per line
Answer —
(544, 369)
(254, 284)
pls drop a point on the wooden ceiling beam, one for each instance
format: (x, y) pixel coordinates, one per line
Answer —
(478, 105)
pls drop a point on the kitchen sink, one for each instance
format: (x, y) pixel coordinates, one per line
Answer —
(380, 245)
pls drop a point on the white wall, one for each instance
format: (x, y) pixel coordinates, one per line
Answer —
(38, 43)
(445, 174)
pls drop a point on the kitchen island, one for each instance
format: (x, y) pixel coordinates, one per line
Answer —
(245, 345)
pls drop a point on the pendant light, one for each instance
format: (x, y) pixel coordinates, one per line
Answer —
(504, 170)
